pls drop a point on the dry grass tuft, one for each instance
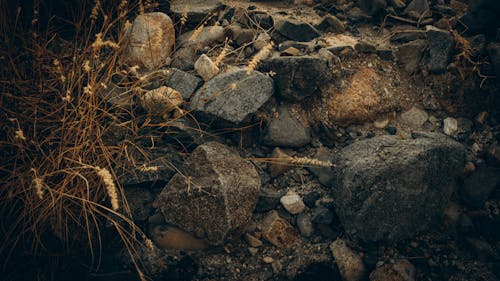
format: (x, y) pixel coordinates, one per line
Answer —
(262, 54)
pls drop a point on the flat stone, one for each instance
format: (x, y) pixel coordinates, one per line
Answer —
(350, 264)
(331, 23)
(150, 27)
(278, 231)
(409, 55)
(286, 130)
(296, 30)
(415, 117)
(233, 96)
(214, 194)
(401, 270)
(298, 77)
(388, 189)
(441, 47)
(292, 202)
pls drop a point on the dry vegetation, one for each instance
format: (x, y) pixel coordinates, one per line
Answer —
(57, 174)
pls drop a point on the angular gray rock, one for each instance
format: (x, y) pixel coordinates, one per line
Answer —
(215, 193)
(441, 46)
(387, 189)
(296, 30)
(183, 82)
(233, 96)
(286, 130)
(298, 77)
(410, 54)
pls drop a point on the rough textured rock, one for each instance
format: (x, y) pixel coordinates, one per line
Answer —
(150, 40)
(441, 47)
(330, 23)
(476, 188)
(174, 78)
(205, 67)
(286, 130)
(401, 270)
(233, 96)
(161, 101)
(387, 189)
(197, 10)
(410, 54)
(350, 264)
(415, 117)
(296, 30)
(292, 202)
(298, 77)
(450, 126)
(216, 193)
(278, 231)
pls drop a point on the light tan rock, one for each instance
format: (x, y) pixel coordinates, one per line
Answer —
(161, 101)
(205, 67)
(278, 231)
(150, 40)
(350, 264)
(170, 237)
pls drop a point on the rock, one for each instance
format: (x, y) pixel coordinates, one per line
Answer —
(140, 202)
(286, 130)
(305, 225)
(253, 241)
(350, 264)
(182, 81)
(365, 47)
(311, 198)
(441, 47)
(293, 203)
(263, 39)
(494, 54)
(296, 30)
(373, 7)
(324, 174)
(418, 9)
(477, 187)
(450, 126)
(280, 163)
(385, 54)
(233, 96)
(267, 259)
(170, 237)
(415, 117)
(298, 77)
(330, 23)
(268, 200)
(215, 193)
(278, 231)
(161, 101)
(388, 189)
(291, 51)
(401, 270)
(146, 28)
(409, 55)
(205, 67)
(240, 35)
(196, 10)
(381, 123)
(190, 42)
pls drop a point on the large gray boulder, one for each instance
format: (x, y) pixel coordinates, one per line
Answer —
(387, 189)
(232, 96)
(215, 193)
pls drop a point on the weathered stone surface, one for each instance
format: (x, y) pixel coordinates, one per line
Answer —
(196, 10)
(450, 126)
(174, 78)
(298, 77)
(410, 54)
(296, 30)
(401, 270)
(441, 47)
(233, 96)
(330, 23)
(278, 231)
(161, 101)
(305, 225)
(350, 264)
(292, 202)
(205, 67)
(415, 117)
(216, 193)
(477, 187)
(286, 130)
(150, 40)
(387, 189)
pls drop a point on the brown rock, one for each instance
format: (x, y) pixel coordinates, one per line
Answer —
(150, 40)
(170, 237)
(278, 231)
(350, 264)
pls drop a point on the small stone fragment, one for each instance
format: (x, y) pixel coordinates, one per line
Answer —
(305, 225)
(415, 117)
(205, 67)
(441, 46)
(278, 231)
(296, 30)
(253, 241)
(330, 23)
(381, 123)
(267, 259)
(450, 126)
(350, 264)
(401, 270)
(293, 203)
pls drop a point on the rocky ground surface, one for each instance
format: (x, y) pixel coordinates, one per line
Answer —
(320, 140)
